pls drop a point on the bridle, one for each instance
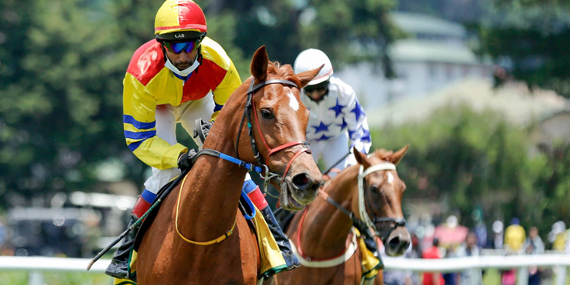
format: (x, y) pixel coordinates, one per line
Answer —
(249, 109)
(366, 222)
(362, 202)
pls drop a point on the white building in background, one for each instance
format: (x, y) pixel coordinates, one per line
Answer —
(433, 57)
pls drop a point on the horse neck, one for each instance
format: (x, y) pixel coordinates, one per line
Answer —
(326, 229)
(210, 195)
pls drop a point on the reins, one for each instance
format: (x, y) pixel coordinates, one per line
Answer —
(217, 240)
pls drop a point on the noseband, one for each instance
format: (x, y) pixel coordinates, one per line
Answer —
(249, 109)
(361, 225)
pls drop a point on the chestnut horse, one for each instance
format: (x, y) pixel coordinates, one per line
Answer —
(199, 236)
(369, 194)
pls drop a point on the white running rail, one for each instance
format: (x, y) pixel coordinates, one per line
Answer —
(36, 266)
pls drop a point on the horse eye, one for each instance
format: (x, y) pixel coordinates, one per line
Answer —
(374, 189)
(266, 114)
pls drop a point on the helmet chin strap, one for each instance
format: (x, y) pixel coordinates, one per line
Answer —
(184, 72)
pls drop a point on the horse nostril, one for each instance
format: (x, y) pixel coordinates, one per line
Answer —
(398, 245)
(394, 243)
(302, 181)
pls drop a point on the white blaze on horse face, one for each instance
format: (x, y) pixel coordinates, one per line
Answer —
(390, 178)
(293, 101)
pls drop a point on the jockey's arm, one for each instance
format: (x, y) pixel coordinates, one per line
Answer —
(139, 123)
(355, 118)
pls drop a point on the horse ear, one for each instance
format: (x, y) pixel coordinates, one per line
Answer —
(396, 157)
(306, 76)
(259, 64)
(361, 157)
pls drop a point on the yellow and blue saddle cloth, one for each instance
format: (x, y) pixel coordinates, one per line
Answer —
(272, 261)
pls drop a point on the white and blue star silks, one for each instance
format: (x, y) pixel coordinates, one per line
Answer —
(336, 124)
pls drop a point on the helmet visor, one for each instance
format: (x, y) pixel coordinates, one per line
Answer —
(178, 47)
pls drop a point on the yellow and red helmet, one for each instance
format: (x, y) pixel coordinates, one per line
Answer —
(180, 20)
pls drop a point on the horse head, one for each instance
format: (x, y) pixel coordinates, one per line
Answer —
(271, 131)
(380, 198)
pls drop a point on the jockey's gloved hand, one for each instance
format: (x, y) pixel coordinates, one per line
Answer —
(185, 160)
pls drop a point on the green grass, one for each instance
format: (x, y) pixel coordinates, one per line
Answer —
(59, 278)
(491, 277)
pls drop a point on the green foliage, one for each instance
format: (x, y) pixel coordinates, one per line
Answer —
(347, 31)
(350, 31)
(530, 38)
(61, 104)
(21, 278)
(469, 159)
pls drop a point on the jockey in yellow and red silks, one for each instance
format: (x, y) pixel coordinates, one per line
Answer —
(152, 79)
(178, 77)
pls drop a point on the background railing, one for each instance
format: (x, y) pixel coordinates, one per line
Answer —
(36, 266)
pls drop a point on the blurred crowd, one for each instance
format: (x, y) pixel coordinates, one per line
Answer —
(450, 239)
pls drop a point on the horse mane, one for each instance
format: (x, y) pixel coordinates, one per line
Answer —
(283, 71)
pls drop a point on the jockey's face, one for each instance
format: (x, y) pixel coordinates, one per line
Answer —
(318, 91)
(316, 95)
(183, 59)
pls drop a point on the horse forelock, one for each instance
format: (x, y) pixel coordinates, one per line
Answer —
(383, 154)
(285, 72)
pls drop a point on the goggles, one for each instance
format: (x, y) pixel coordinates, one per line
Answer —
(178, 47)
(323, 86)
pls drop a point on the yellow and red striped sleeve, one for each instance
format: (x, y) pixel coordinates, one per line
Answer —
(139, 107)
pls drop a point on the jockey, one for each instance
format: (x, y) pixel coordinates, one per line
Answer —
(336, 117)
(180, 76)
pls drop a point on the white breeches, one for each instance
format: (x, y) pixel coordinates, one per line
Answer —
(167, 116)
(332, 151)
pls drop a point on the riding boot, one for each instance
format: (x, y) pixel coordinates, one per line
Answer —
(119, 267)
(254, 193)
(280, 238)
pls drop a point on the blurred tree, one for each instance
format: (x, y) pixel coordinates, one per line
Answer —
(530, 39)
(61, 72)
(466, 159)
(460, 11)
(348, 31)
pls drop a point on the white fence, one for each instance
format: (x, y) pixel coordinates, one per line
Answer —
(37, 265)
